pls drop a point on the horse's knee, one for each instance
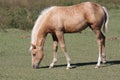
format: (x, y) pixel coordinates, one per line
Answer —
(63, 48)
(55, 46)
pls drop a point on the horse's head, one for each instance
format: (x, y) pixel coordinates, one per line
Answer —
(37, 56)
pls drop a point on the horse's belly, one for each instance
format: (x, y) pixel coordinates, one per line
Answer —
(71, 27)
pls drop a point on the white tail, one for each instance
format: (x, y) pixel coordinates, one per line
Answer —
(106, 19)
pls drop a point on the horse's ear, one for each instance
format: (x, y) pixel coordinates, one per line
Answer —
(34, 47)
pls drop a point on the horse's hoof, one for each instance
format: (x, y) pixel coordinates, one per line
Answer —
(50, 67)
(96, 67)
(71, 67)
(68, 68)
(104, 62)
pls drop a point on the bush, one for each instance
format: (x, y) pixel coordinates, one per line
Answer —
(20, 19)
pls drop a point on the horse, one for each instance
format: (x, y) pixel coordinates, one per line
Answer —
(58, 20)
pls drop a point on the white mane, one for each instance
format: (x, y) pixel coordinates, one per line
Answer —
(37, 24)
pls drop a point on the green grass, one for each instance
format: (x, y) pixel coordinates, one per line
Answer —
(15, 59)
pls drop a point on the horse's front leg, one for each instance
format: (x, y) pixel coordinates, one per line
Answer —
(60, 36)
(55, 48)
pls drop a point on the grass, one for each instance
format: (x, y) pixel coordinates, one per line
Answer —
(15, 59)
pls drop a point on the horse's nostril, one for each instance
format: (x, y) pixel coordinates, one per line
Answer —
(34, 54)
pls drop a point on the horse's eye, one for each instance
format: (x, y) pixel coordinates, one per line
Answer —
(34, 54)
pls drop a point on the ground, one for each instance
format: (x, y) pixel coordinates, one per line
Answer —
(15, 58)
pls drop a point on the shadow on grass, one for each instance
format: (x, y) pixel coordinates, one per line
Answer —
(109, 63)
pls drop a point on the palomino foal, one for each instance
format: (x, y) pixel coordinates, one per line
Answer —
(58, 20)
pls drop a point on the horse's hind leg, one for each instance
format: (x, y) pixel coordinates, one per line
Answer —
(103, 49)
(55, 48)
(60, 36)
(101, 45)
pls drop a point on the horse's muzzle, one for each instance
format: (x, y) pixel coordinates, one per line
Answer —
(35, 66)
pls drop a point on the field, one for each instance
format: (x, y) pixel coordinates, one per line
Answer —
(15, 58)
